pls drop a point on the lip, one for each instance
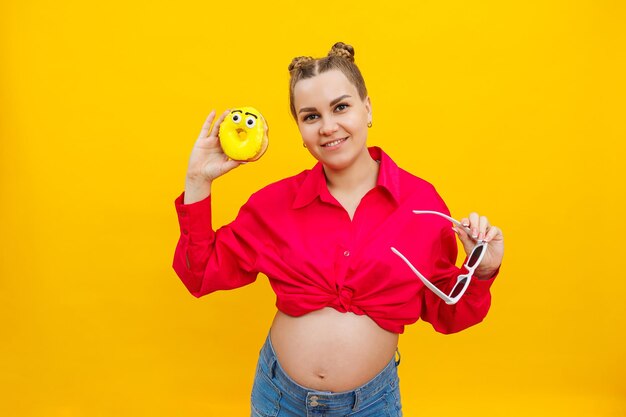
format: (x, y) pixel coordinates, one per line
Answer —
(324, 145)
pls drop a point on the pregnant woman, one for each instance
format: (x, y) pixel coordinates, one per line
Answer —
(355, 249)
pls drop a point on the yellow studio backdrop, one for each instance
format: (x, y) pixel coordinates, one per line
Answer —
(512, 109)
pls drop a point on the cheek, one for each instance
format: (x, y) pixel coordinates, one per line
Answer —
(307, 131)
(358, 126)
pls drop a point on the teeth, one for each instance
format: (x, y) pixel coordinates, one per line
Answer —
(335, 142)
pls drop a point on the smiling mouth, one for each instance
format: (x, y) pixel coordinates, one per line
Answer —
(334, 143)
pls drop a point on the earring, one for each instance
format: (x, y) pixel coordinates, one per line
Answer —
(369, 124)
(304, 144)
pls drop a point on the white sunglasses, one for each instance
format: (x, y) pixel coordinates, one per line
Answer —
(463, 280)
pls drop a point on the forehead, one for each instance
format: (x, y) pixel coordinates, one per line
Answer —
(322, 88)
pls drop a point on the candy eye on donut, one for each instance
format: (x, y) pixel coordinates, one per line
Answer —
(236, 117)
(250, 121)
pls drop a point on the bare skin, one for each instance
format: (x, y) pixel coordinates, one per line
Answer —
(327, 350)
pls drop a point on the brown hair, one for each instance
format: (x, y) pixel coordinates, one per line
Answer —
(340, 57)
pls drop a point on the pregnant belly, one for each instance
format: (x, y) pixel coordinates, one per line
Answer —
(326, 350)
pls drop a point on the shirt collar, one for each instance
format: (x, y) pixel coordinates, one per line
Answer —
(314, 185)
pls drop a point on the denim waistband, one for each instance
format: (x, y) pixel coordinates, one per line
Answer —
(352, 399)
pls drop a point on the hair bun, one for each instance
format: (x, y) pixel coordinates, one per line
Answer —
(299, 61)
(342, 50)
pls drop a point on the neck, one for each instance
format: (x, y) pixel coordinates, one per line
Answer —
(363, 173)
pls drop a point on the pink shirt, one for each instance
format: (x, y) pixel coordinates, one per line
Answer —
(297, 234)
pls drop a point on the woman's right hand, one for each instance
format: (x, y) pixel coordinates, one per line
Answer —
(207, 161)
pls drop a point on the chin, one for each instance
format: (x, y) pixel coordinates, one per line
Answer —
(340, 161)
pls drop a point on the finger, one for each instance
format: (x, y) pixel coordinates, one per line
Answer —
(483, 224)
(204, 132)
(231, 164)
(474, 221)
(460, 232)
(493, 233)
(466, 225)
(466, 240)
(217, 124)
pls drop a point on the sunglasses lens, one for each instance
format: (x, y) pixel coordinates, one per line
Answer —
(475, 255)
(458, 288)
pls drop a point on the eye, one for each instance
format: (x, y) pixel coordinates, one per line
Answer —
(250, 121)
(236, 117)
(341, 107)
(309, 117)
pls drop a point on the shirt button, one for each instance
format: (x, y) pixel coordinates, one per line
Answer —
(346, 253)
(185, 231)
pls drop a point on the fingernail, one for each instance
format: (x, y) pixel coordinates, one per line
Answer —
(474, 233)
(481, 236)
(455, 231)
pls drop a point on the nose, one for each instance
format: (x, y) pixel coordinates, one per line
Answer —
(329, 126)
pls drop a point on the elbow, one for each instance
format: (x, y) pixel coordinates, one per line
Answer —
(195, 287)
(191, 281)
(463, 317)
(455, 327)
(195, 293)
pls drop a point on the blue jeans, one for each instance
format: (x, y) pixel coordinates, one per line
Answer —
(275, 394)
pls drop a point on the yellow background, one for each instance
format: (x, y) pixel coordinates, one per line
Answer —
(512, 109)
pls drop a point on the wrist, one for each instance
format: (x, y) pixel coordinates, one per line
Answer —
(196, 189)
(485, 273)
(196, 177)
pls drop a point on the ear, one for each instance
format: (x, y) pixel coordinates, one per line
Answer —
(368, 106)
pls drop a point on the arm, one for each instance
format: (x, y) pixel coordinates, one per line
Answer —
(207, 260)
(473, 305)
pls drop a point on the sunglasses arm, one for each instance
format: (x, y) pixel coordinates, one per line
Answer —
(427, 283)
(452, 219)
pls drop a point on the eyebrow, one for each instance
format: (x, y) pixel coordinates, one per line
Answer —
(332, 103)
(236, 111)
(251, 114)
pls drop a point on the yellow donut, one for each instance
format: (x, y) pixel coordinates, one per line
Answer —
(243, 134)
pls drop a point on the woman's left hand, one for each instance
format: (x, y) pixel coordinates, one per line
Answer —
(481, 229)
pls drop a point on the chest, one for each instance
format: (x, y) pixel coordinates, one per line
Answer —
(349, 238)
(349, 204)
(350, 201)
